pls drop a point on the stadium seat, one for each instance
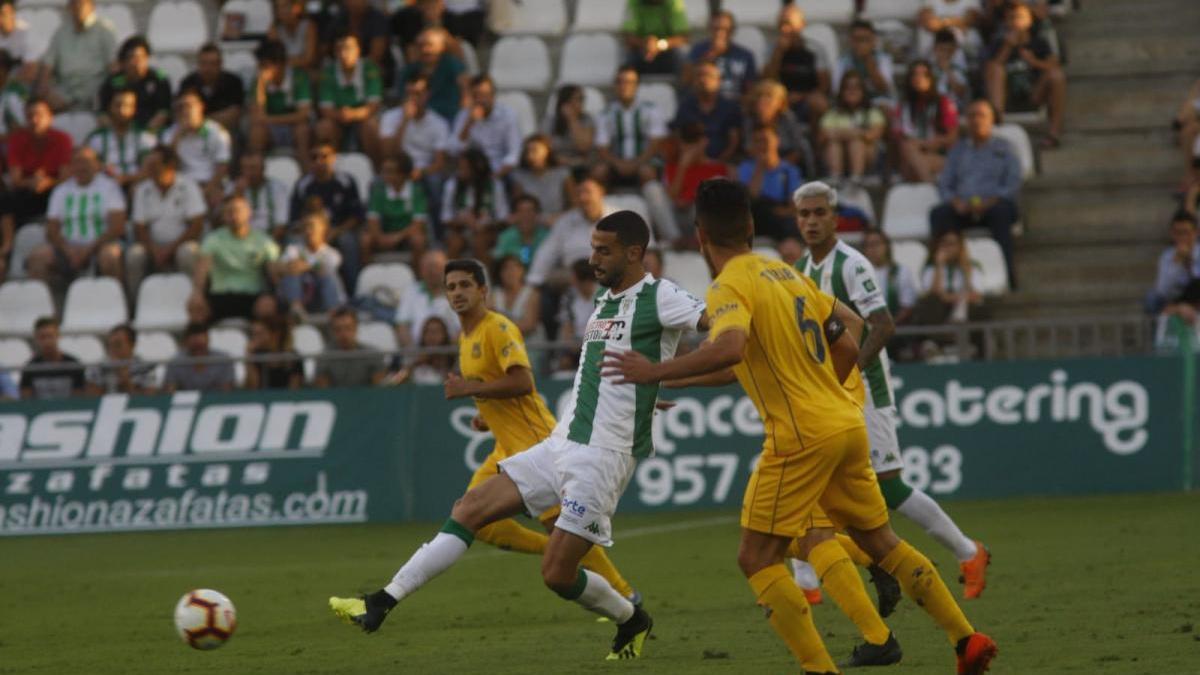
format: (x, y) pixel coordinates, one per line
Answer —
(827, 11)
(629, 202)
(1019, 140)
(858, 197)
(910, 255)
(231, 341)
(172, 66)
(78, 124)
(540, 17)
(87, 348)
(177, 26)
(993, 274)
(28, 238)
(121, 17)
(396, 277)
(358, 165)
(470, 57)
(906, 210)
(697, 13)
(21, 304)
(688, 269)
(822, 35)
(598, 16)
(520, 63)
(662, 95)
(522, 105)
(94, 305)
(757, 12)
(893, 10)
(43, 22)
(241, 62)
(156, 346)
(162, 302)
(377, 335)
(591, 58)
(257, 16)
(308, 342)
(14, 353)
(593, 102)
(285, 169)
(752, 38)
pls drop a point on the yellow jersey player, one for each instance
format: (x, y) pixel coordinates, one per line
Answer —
(788, 347)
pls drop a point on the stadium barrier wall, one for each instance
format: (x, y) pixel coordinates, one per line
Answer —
(977, 430)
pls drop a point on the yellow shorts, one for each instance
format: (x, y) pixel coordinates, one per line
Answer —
(829, 484)
(491, 468)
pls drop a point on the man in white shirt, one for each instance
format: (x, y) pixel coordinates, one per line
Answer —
(168, 219)
(414, 129)
(268, 197)
(84, 223)
(489, 125)
(424, 299)
(571, 236)
(204, 146)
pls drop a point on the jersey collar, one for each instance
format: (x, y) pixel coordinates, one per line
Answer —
(632, 290)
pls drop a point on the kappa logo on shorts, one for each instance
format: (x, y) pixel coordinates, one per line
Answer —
(594, 528)
(573, 506)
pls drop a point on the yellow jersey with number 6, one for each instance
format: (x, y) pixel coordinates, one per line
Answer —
(485, 354)
(787, 368)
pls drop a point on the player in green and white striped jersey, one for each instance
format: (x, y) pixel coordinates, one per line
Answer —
(585, 464)
(845, 273)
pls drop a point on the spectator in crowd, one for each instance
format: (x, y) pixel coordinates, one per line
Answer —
(214, 374)
(425, 299)
(771, 182)
(654, 32)
(308, 270)
(948, 283)
(924, 125)
(275, 365)
(336, 192)
(267, 196)
(513, 297)
(526, 232)
(125, 373)
(120, 143)
(850, 130)
(408, 21)
(575, 311)
(234, 258)
(38, 156)
(14, 94)
(79, 57)
(151, 87)
(369, 26)
(870, 61)
(691, 166)
(896, 282)
(466, 18)
(14, 34)
(221, 91)
(1187, 123)
(721, 117)
(168, 219)
(85, 224)
(768, 106)
(540, 175)
(280, 103)
(429, 367)
(571, 235)
(351, 95)
(1022, 67)
(297, 32)
(803, 69)
(447, 77)
(570, 129)
(1177, 286)
(413, 129)
(492, 127)
(950, 69)
(790, 249)
(398, 211)
(979, 184)
(735, 62)
(347, 362)
(473, 205)
(204, 146)
(959, 17)
(51, 374)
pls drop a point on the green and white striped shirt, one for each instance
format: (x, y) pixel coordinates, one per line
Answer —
(649, 318)
(83, 210)
(122, 151)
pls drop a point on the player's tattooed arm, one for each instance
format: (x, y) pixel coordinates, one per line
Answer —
(881, 329)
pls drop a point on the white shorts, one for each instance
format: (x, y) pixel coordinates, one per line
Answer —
(587, 482)
(885, 444)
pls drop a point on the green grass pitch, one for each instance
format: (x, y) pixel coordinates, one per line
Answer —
(1091, 585)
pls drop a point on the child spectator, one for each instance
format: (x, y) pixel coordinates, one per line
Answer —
(850, 130)
(948, 283)
(526, 232)
(308, 270)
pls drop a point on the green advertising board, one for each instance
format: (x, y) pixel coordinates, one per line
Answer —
(975, 430)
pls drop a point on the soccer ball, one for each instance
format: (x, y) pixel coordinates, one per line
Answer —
(205, 618)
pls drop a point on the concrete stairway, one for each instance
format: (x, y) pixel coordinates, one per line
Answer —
(1097, 215)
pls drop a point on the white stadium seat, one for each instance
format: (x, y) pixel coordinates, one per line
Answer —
(910, 255)
(906, 210)
(756, 12)
(231, 341)
(522, 105)
(240, 62)
(753, 39)
(1019, 140)
(822, 35)
(540, 17)
(256, 16)
(377, 335)
(156, 346)
(21, 304)
(121, 17)
(590, 58)
(993, 274)
(308, 342)
(14, 353)
(520, 63)
(688, 270)
(599, 16)
(43, 22)
(662, 95)
(78, 124)
(162, 302)
(172, 66)
(284, 169)
(856, 196)
(396, 277)
(827, 11)
(697, 13)
(358, 165)
(94, 305)
(87, 348)
(593, 102)
(893, 10)
(28, 238)
(177, 27)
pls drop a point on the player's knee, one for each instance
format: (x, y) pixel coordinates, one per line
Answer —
(559, 578)
(752, 560)
(468, 511)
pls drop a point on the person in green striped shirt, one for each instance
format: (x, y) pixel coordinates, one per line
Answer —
(121, 144)
(280, 103)
(397, 211)
(350, 97)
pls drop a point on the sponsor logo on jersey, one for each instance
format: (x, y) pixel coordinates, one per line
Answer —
(604, 330)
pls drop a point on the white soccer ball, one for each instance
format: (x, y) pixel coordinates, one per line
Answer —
(205, 618)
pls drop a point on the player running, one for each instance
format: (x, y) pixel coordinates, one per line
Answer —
(841, 271)
(588, 459)
(788, 346)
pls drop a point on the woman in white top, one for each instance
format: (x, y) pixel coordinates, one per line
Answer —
(514, 298)
(948, 282)
(297, 33)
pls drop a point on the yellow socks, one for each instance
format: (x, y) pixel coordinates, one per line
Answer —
(597, 561)
(510, 535)
(840, 580)
(791, 617)
(922, 583)
(856, 554)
